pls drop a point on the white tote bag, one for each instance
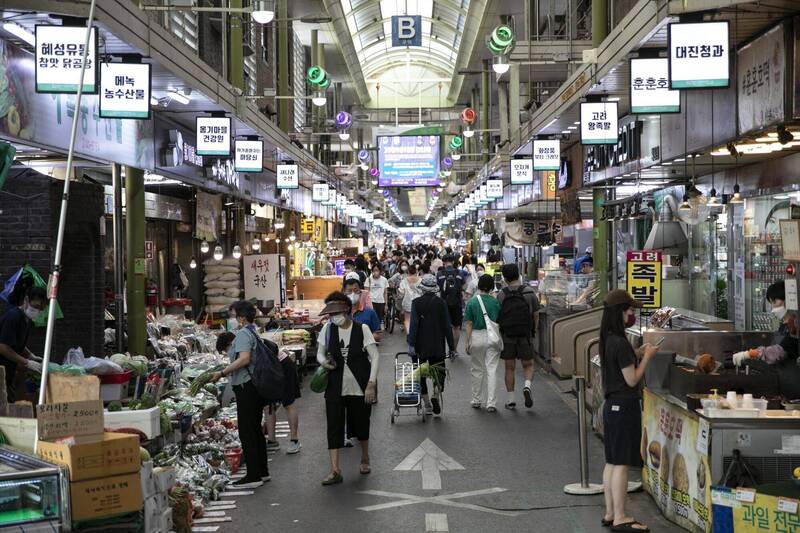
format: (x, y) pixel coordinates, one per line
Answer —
(492, 329)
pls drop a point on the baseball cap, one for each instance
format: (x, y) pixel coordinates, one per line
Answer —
(619, 297)
(588, 250)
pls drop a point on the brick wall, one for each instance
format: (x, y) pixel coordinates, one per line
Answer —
(30, 205)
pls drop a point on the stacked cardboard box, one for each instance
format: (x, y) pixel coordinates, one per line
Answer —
(156, 483)
(103, 467)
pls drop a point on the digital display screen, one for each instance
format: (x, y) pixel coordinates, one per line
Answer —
(408, 161)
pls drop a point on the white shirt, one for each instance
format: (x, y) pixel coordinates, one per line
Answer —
(376, 289)
(350, 386)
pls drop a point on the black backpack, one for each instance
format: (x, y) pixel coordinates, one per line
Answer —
(266, 370)
(452, 288)
(516, 318)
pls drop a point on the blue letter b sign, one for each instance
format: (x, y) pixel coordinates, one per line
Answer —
(407, 30)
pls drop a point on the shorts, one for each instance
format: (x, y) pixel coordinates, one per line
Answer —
(517, 348)
(354, 411)
(291, 383)
(622, 428)
(456, 315)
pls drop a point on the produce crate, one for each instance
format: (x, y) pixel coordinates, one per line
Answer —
(113, 386)
(145, 420)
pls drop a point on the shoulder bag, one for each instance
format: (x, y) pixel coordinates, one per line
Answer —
(492, 329)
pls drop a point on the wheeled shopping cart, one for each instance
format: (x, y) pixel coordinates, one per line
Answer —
(407, 387)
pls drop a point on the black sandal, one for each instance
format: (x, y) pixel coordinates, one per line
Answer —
(606, 523)
(627, 527)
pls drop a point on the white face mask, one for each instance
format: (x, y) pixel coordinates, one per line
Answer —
(404, 268)
(354, 297)
(779, 312)
(479, 272)
(338, 320)
(31, 312)
(376, 275)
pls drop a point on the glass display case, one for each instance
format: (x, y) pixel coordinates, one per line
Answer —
(33, 493)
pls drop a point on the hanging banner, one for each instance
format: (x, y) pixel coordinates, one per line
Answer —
(494, 188)
(649, 89)
(549, 184)
(331, 201)
(319, 192)
(644, 277)
(599, 124)
(307, 226)
(59, 59)
(762, 81)
(521, 171)
(262, 277)
(546, 154)
(287, 177)
(676, 473)
(213, 135)
(125, 90)
(698, 55)
(208, 209)
(248, 155)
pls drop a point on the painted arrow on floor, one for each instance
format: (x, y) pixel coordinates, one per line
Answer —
(429, 459)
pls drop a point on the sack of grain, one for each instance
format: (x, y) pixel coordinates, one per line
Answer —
(215, 292)
(233, 292)
(214, 276)
(222, 269)
(229, 276)
(220, 300)
(222, 284)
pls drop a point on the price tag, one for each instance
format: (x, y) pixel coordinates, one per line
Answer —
(787, 505)
(745, 495)
(702, 436)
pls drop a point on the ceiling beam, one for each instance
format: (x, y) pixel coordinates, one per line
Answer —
(348, 50)
(472, 26)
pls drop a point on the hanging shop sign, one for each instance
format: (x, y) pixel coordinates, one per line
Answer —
(677, 472)
(59, 59)
(649, 89)
(549, 184)
(698, 55)
(262, 277)
(125, 90)
(319, 192)
(762, 81)
(287, 176)
(494, 188)
(223, 172)
(626, 150)
(546, 154)
(307, 226)
(248, 155)
(207, 216)
(213, 135)
(599, 123)
(407, 30)
(521, 171)
(178, 151)
(644, 277)
(482, 198)
(331, 200)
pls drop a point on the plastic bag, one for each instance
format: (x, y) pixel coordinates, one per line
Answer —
(16, 286)
(92, 365)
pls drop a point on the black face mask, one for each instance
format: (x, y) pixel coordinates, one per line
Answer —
(630, 320)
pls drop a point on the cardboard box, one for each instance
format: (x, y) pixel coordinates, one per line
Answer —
(165, 478)
(166, 521)
(109, 454)
(104, 497)
(148, 480)
(69, 419)
(68, 388)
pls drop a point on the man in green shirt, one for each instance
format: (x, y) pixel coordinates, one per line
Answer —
(485, 355)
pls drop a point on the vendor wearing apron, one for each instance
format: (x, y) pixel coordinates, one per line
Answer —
(782, 352)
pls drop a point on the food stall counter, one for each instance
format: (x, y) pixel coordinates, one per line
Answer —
(314, 287)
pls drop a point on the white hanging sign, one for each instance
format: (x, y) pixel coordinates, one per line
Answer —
(698, 55)
(59, 58)
(650, 92)
(287, 176)
(484, 197)
(521, 171)
(546, 154)
(331, 198)
(494, 188)
(125, 90)
(599, 123)
(319, 192)
(213, 136)
(249, 155)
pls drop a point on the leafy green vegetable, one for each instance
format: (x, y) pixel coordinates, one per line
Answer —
(204, 378)
(114, 406)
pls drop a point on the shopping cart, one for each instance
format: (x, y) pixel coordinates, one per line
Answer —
(407, 387)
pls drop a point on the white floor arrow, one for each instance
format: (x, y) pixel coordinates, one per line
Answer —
(428, 459)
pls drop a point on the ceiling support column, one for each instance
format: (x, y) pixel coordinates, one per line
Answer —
(513, 99)
(314, 109)
(485, 111)
(284, 117)
(599, 21)
(236, 48)
(502, 107)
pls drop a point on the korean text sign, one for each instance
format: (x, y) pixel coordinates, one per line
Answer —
(494, 188)
(287, 176)
(650, 92)
(59, 59)
(644, 277)
(319, 192)
(249, 155)
(546, 154)
(521, 171)
(599, 123)
(698, 55)
(213, 136)
(125, 90)
(262, 277)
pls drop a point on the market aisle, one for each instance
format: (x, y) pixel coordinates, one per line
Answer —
(531, 454)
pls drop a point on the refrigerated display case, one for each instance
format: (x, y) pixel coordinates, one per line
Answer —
(33, 493)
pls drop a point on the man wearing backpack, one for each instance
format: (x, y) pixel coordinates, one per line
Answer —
(451, 286)
(519, 315)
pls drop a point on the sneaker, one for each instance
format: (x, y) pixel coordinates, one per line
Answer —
(511, 405)
(273, 445)
(475, 405)
(428, 408)
(491, 409)
(247, 483)
(293, 448)
(528, 397)
(436, 407)
(332, 479)
(348, 443)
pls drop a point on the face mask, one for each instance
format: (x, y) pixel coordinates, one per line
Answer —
(404, 268)
(630, 320)
(354, 297)
(779, 312)
(338, 320)
(479, 272)
(31, 312)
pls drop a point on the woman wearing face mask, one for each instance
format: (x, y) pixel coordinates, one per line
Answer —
(348, 350)
(408, 292)
(621, 369)
(377, 286)
(249, 403)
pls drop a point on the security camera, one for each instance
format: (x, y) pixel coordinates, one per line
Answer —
(187, 91)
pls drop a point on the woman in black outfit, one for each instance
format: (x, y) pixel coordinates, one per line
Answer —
(622, 369)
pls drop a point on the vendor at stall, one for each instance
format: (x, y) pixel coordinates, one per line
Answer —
(782, 352)
(15, 326)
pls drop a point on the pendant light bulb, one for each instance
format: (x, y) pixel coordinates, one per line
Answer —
(237, 252)
(218, 253)
(192, 264)
(280, 224)
(204, 247)
(292, 238)
(256, 244)
(737, 196)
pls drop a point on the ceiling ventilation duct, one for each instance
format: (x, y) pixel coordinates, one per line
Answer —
(667, 233)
